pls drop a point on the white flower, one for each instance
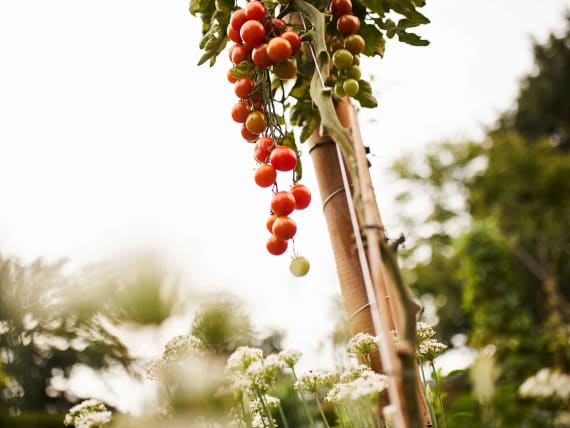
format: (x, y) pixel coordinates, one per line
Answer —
(242, 358)
(424, 331)
(175, 351)
(269, 401)
(290, 357)
(545, 384)
(429, 349)
(262, 421)
(88, 414)
(312, 381)
(361, 344)
(358, 385)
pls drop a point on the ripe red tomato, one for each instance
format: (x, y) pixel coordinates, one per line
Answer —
(276, 246)
(269, 223)
(340, 7)
(279, 49)
(240, 111)
(294, 40)
(233, 34)
(275, 27)
(284, 228)
(259, 56)
(240, 53)
(285, 70)
(231, 77)
(256, 122)
(255, 10)
(302, 196)
(348, 24)
(282, 203)
(237, 19)
(244, 87)
(252, 33)
(248, 136)
(283, 158)
(261, 150)
(265, 175)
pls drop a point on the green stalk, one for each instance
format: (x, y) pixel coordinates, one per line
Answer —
(282, 414)
(265, 409)
(428, 397)
(321, 411)
(438, 391)
(305, 407)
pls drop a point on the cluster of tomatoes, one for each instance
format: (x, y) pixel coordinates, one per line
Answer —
(346, 47)
(265, 42)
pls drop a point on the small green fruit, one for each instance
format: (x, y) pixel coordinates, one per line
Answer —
(299, 266)
(351, 87)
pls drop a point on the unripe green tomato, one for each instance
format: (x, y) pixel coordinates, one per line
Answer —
(354, 43)
(354, 72)
(299, 266)
(285, 70)
(350, 87)
(338, 89)
(342, 59)
(356, 60)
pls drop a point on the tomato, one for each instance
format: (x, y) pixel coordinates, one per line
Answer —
(283, 158)
(248, 136)
(261, 150)
(340, 7)
(282, 203)
(299, 266)
(233, 34)
(342, 59)
(265, 175)
(354, 43)
(276, 246)
(231, 77)
(240, 53)
(256, 122)
(351, 87)
(294, 40)
(284, 228)
(276, 25)
(269, 222)
(259, 56)
(348, 24)
(243, 87)
(279, 49)
(252, 33)
(255, 10)
(285, 70)
(354, 72)
(237, 19)
(302, 196)
(240, 111)
(336, 44)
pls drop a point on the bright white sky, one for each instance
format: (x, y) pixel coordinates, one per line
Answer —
(112, 139)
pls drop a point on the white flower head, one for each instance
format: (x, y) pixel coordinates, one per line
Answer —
(290, 357)
(429, 349)
(362, 344)
(181, 346)
(358, 386)
(88, 414)
(424, 332)
(313, 381)
(242, 358)
(546, 384)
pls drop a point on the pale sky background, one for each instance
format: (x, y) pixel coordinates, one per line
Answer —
(112, 139)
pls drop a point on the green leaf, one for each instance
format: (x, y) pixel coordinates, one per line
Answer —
(375, 43)
(202, 6)
(364, 95)
(309, 127)
(411, 39)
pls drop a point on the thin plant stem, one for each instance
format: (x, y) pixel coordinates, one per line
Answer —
(438, 391)
(428, 397)
(340, 415)
(265, 409)
(305, 407)
(282, 415)
(321, 411)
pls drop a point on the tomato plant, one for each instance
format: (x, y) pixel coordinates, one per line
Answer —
(276, 246)
(283, 158)
(279, 49)
(240, 111)
(285, 70)
(340, 7)
(262, 147)
(302, 196)
(348, 24)
(252, 32)
(256, 122)
(259, 56)
(299, 266)
(255, 10)
(243, 87)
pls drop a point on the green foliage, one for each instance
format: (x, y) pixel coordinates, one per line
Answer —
(497, 235)
(49, 322)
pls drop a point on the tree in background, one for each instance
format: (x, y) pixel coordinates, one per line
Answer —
(493, 254)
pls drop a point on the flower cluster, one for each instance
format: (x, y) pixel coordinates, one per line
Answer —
(358, 384)
(88, 414)
(547, 384)
(176, 350)
(361, 344)
(428, 348)
(312, 382)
